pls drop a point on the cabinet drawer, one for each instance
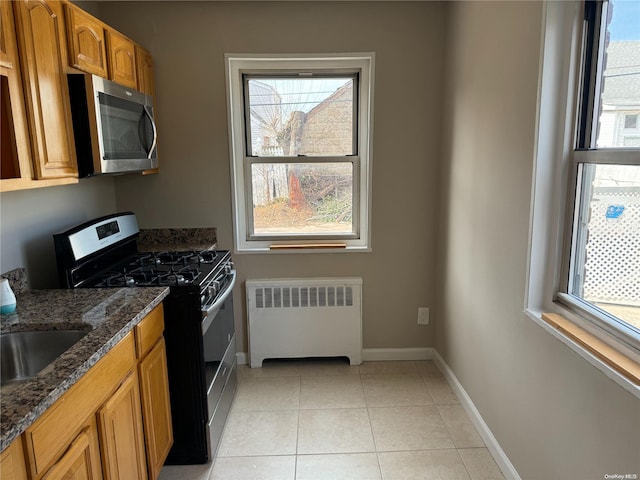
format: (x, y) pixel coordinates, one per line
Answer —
(149, 330)
(45, 440)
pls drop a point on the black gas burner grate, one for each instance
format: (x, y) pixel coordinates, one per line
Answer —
(149, 276)
(182, 276)
(179, 258)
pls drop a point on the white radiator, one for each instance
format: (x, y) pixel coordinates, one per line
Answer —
(297, 318)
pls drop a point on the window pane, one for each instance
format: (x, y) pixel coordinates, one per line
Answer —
(302, 199)
(301, 116)
(606, 269)
(620, 98)
(631, 121)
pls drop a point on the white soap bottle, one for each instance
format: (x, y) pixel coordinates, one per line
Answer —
(7, 297)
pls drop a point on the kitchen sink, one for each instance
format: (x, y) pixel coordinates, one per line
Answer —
(24, 354)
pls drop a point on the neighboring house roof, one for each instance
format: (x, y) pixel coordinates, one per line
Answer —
(344, 90)
(622, 76)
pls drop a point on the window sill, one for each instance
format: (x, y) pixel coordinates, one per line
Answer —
(618, 367)
(307, 246)
(619, 362)
(297, 248)
(300, 247)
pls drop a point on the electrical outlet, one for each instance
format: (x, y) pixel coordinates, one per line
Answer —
(423, 315)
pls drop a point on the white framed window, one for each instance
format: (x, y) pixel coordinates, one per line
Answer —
(300, 140)
(583, 250)
(601, 274)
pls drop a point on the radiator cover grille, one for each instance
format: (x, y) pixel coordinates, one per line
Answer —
(296, 318)
(320, 296)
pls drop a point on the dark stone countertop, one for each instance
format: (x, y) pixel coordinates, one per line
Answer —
(108, 313)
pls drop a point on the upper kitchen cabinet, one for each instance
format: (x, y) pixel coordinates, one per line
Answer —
(42, 45)
(145, 71)
(86, 41)
(41, 41)
(95, 47)
(14, 137)
(122, 59)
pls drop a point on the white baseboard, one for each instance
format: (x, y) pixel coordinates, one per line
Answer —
(386, 354)
(241, 358)
(490, 441)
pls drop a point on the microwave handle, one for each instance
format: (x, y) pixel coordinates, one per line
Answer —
(155, 132)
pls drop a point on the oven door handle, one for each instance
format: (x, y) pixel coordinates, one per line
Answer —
(211, 311)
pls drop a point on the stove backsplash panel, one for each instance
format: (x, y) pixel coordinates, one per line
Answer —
(177, 239)
(18, 280)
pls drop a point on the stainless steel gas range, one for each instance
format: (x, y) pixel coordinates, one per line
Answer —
(199, 326)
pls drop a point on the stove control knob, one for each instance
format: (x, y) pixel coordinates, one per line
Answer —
(228, 267)
(213, 290)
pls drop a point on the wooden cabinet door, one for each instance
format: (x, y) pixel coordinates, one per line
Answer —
(86, 39)
(42, 44)
(122, 59)
(81, 461)
(156, 407)
(121, 435)
(144, 62)
(12, 463)
(14, 136)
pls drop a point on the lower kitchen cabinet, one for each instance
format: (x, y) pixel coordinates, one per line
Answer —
(47, 440)
(154, 389)
(156, 407)
(12, 466)
(113, 423)
(82, 459)
(121, 436)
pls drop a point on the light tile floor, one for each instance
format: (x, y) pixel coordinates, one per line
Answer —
(327, 420)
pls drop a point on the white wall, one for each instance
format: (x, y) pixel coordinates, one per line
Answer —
(554, 414)
(29, 218)
(188, 41)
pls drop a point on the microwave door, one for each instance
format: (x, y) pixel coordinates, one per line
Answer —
(120, 120)
(127, 135)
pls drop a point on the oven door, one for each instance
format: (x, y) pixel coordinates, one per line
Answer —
(219, 343)
(217, 325)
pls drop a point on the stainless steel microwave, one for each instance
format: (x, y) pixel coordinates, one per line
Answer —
(113, 127)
